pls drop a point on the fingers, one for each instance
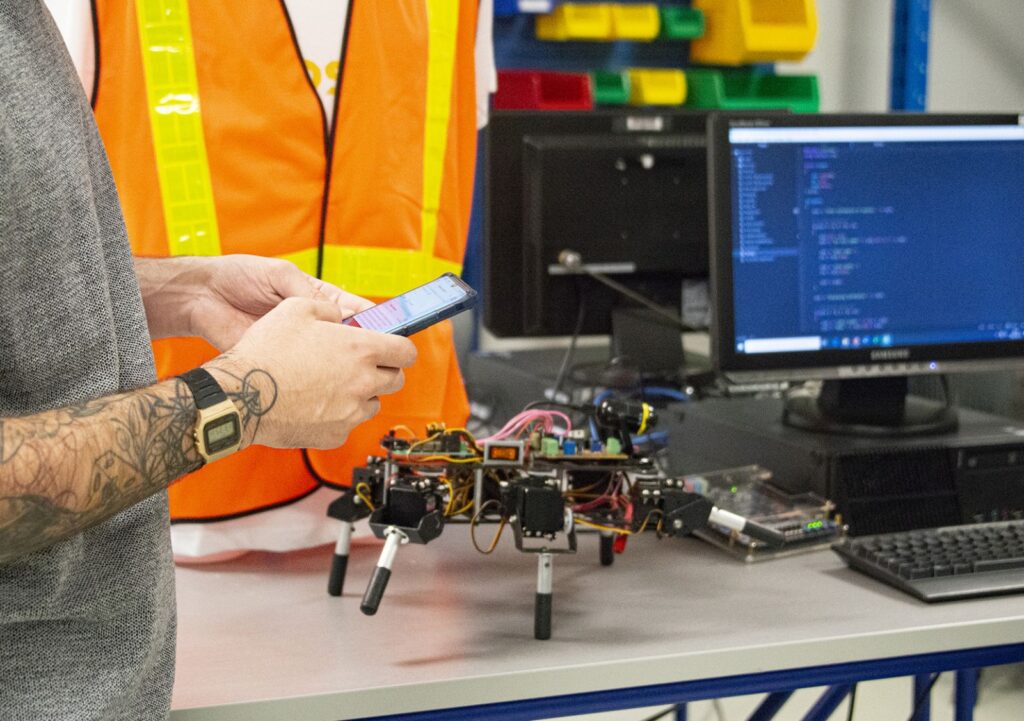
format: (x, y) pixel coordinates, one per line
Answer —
(389, 380)
(348, 302)
(290, 282)
(385, 350)
(335, 436)
(315, 309)
(395, 351)
(372, 407)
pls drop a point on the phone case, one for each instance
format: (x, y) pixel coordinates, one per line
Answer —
(423, 323)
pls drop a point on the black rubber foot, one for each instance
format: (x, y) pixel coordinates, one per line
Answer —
(375, 591)
(542, 617)
(336, 582)
(607, 550)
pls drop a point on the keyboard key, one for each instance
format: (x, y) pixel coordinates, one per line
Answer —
(998, 564)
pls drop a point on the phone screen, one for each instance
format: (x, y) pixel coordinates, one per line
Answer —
(416, 304)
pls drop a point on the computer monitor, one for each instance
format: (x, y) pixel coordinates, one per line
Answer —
(864, 249)
(626, 189)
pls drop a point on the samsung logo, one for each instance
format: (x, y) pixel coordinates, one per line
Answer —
(890, 354)
(645, 123)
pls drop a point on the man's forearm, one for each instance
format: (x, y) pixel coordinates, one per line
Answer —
(168, 287)
(66, 470)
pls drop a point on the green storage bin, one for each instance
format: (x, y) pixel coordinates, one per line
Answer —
(610, 88)
(746, 90)
(681, 23)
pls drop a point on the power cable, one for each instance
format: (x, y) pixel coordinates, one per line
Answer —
(567, 358)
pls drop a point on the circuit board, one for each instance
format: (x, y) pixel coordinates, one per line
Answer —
(804, 520)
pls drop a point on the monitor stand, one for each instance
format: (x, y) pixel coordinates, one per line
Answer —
(871, 407)
(653, 343)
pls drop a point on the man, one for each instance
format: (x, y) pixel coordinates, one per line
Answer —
(88, 443)
(365, 181)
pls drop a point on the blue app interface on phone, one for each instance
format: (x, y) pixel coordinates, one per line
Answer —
(417, 303)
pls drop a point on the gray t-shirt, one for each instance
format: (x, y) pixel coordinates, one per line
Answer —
(87, 625)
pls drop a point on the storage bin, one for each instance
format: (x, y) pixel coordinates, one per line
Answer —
(610, 88)
(576, 21)
(742, 32)
(655, 86)
(746, 90)
(537, 90)
(635, 22)
(681, 23)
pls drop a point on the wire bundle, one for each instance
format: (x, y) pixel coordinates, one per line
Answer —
(522, 421)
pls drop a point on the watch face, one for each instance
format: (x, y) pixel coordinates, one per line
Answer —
(221, 433)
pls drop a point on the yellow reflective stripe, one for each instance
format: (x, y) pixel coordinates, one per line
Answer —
(373, 272)
(169, 66)
(443, 30)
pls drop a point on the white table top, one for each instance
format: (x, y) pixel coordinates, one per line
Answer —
(259, 638)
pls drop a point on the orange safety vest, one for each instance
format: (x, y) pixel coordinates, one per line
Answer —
(218, 144)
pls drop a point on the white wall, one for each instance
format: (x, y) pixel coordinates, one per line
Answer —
(976, 55)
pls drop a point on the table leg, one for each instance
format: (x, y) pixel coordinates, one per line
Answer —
(966, 693)
(922, 683)
(770, 706)
(828, 703)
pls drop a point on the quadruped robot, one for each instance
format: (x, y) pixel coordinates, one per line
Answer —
(539, 476)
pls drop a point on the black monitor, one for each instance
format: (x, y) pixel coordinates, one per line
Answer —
(626, 189)
(861, 250)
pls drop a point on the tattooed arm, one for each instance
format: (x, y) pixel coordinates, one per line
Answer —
(299, 377)
(66, 470)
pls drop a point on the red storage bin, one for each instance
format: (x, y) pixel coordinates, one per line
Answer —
(537, 90)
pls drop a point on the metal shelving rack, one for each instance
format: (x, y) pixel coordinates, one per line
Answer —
(909, 70)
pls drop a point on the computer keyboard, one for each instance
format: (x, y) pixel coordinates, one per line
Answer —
(943, 564)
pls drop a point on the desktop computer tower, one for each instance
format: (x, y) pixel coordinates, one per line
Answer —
(878, 485)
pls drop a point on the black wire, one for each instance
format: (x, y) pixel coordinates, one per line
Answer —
(663, 714)
(853, 700)
(560, 378)
(558, 404)
(922, 696)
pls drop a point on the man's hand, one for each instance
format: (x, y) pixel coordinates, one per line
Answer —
(310, 379)
(218, 298)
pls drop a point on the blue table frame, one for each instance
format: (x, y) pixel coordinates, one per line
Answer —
(778, 683)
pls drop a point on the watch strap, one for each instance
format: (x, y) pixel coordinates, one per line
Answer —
(205, 389)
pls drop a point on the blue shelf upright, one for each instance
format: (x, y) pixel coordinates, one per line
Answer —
(909, 87)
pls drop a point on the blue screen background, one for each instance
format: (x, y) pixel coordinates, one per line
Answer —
(879, 244)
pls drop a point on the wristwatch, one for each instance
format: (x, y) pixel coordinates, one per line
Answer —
(218, 430)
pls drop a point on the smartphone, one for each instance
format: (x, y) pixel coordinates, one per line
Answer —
(418, 308)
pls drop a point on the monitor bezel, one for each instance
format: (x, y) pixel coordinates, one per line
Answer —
(832, 363)
(509, 136)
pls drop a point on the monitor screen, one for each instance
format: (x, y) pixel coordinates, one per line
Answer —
(853, 246)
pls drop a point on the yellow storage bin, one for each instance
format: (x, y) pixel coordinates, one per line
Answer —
(576, 21)
(656, 86)
(635, 22)
(740, 32)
